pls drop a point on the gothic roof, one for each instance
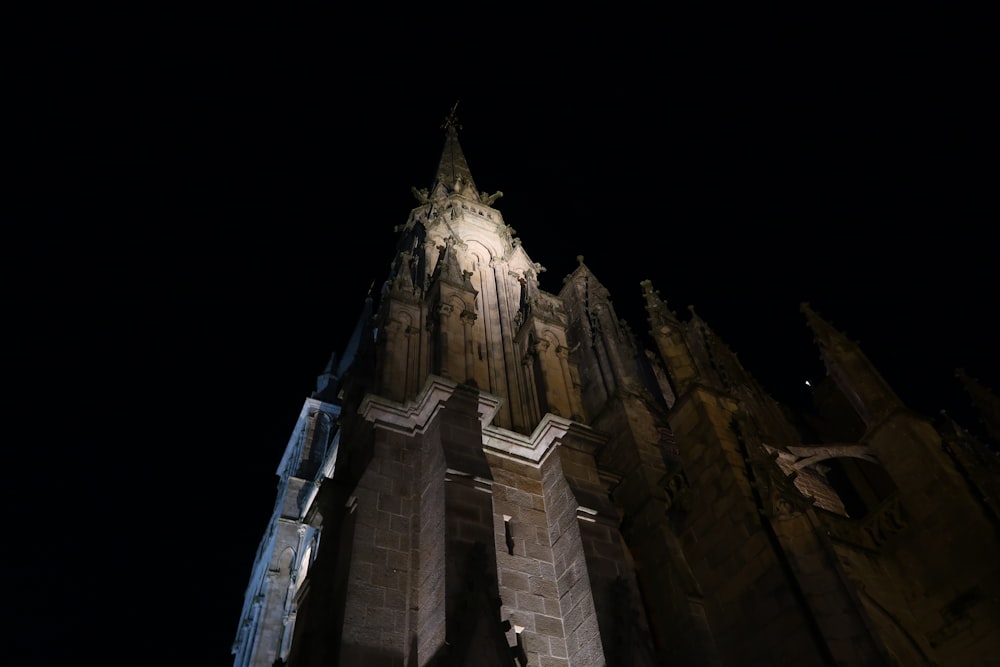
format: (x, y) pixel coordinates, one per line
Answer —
(453, 174)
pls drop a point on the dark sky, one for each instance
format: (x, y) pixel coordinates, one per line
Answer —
(203, 203)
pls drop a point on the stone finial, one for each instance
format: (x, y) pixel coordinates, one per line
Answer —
(657, 309)
(422, 195)
(451, 120)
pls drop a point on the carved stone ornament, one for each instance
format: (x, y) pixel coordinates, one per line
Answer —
(779, 497)
(678, 491)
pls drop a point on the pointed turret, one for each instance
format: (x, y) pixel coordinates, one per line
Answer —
(610, 359)
(858, 380)
(453, 175)
(668, 333)
(720, 368)
(328, 382)
(690, 351)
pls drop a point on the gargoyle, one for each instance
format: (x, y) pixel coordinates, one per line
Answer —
(488, 199)
(422, 195)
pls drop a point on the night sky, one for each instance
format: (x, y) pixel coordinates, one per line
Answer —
(202, 206)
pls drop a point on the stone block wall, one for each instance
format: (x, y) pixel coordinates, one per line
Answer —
(376, 609)
(428, 578)
(525, 562)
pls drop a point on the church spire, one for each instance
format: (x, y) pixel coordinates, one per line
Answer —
(453, 175)
(863, 386)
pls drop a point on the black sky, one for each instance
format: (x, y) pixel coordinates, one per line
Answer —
(202, 203)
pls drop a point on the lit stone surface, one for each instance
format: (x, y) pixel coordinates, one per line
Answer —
(495, 475)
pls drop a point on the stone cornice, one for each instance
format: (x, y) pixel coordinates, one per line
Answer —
(535, 447)
(414, 416)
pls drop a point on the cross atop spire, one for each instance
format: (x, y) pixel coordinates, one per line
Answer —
(451, 120)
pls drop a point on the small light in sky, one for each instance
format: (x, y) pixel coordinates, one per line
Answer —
(807, 383)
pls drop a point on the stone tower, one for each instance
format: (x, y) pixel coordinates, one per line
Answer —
(492, 474)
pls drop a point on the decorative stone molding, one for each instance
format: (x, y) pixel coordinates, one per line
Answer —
(414, 416)
(464, 478)
(536, 446)
(779, 497)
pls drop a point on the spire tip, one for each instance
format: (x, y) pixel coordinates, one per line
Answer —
(451, 120)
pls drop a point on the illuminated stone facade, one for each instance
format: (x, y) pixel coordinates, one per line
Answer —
(496, 475)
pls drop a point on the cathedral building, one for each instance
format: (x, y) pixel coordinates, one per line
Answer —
(493, 475)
